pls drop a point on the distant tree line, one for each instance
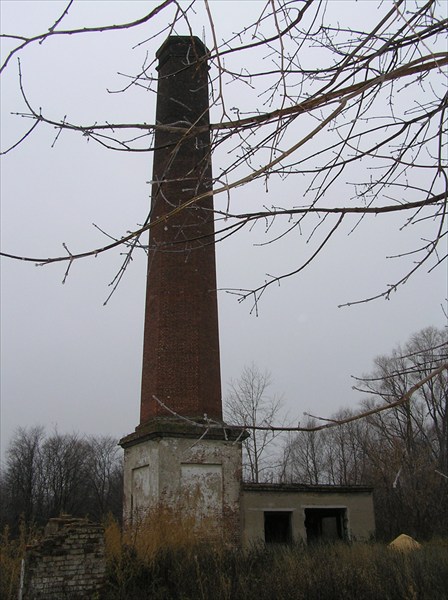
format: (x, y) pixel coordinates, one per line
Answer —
(401, 452)
(45, 475)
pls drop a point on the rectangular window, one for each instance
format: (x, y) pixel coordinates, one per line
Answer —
(325, 524)
(277, 527)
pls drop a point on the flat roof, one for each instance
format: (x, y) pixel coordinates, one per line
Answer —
(301, 487)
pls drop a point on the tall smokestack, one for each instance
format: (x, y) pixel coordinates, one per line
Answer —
(181, 366)
(167, 461)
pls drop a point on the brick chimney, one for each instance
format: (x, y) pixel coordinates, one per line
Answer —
(181, 364)
(193, 466)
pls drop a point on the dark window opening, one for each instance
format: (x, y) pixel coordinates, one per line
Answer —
(277, 527)
(325, 524)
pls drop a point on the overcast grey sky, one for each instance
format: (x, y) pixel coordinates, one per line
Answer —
(69, 362)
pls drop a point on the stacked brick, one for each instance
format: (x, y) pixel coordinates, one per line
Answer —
(68, 563)
(181, 365)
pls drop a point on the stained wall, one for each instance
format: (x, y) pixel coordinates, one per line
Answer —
(257, 499)
(199, 477)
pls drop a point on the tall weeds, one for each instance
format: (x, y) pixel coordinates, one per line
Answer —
(147, 564)
(167, 558)
(149, 551)
(12, 550)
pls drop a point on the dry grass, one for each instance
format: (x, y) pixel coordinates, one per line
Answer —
(11, 553)
(165, 557)
(183, 569)
(164, 531)
(162, 527)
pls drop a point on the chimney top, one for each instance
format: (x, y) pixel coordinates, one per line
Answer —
(179, 46)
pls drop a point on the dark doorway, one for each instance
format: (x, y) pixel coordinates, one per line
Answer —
(277, 527)
(325, 524)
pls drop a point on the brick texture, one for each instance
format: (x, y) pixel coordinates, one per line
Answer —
(68, 563)
(181, 363)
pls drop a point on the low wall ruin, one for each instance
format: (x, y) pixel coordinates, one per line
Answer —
(68, 563)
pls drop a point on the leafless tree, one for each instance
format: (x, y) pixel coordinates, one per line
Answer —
(45, 475)
(346, 457)
(64, 460)
(249, 404)
(304, 457)
(409, 442)
(22, 493)
(105, 476)
(327, 456)
(356, 114)
(424, 419)
(400, 451)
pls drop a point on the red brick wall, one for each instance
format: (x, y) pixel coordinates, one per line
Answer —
(181, 363)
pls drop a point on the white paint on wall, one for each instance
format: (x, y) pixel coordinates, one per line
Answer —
(201, 488)
(140, 488)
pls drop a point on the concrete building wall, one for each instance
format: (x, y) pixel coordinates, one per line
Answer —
(201, 477)
(353, 505)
